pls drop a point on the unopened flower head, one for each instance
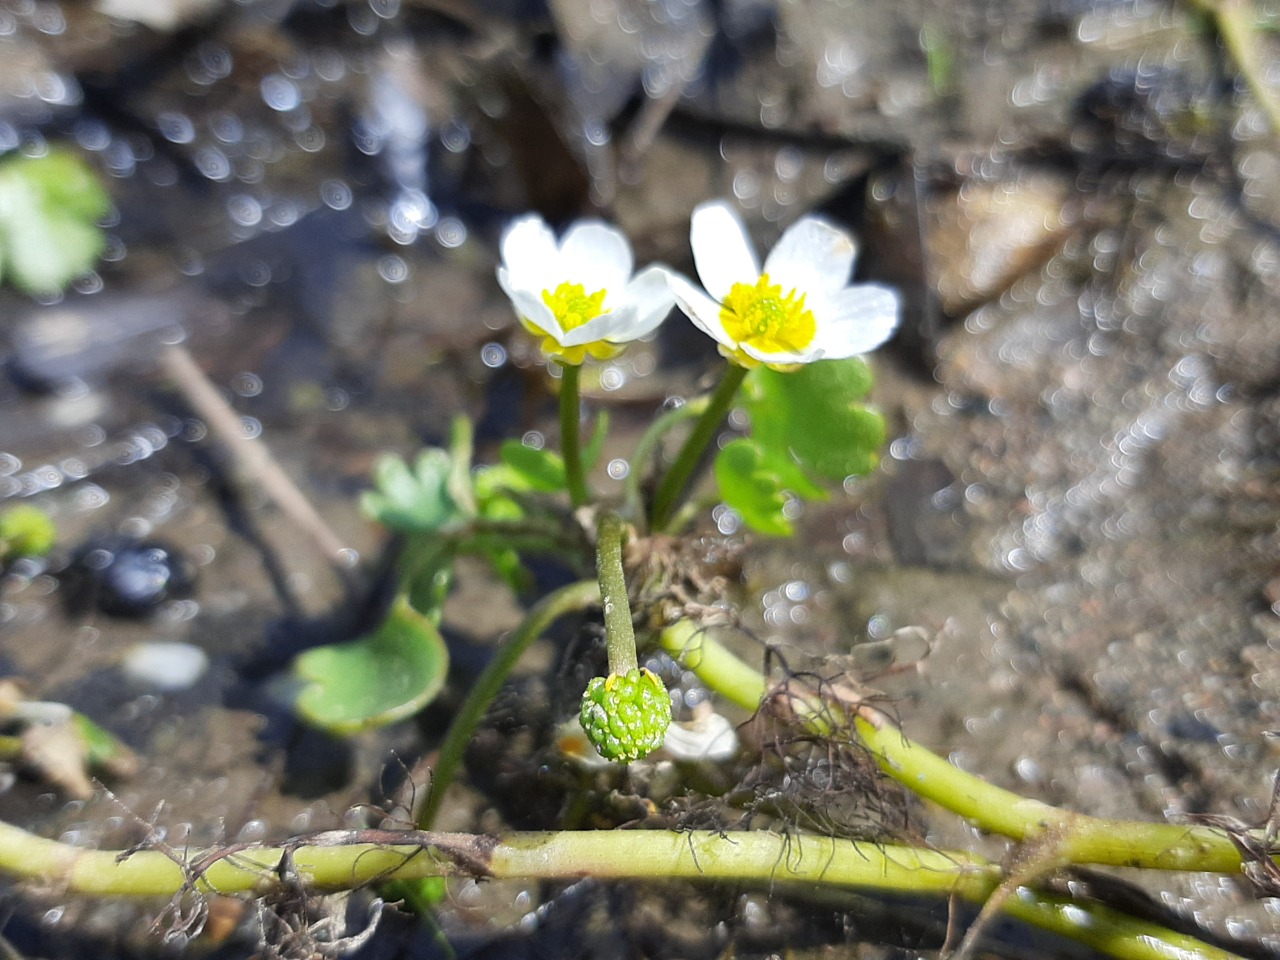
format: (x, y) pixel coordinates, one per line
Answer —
(578, 294)
(800, 308)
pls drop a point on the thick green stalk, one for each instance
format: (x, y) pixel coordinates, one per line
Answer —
(618, 631)
(570, 445)
(1068, 837)
(346, 859)
(672, 487)
(574, 597)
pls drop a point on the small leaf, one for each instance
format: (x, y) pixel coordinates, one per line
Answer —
(382, 677)
(813, 414)
(49, 208)
(413, 501)
(26, 531)
(750, 486)
(534, 469)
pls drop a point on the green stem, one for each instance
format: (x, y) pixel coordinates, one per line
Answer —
(347, 859)
(618, 631)
(634, 505)
(1234, 20)
(672, 487)
(570, 445)
(569, 599)
(1074, 838)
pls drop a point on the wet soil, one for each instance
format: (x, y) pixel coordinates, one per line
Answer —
(1079, 506)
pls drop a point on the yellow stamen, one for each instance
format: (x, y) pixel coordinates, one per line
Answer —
(572, 305)
(760, 316)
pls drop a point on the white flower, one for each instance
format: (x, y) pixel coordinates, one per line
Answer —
(801, 308)
(578, 295)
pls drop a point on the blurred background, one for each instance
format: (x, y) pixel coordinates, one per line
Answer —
(1079, 506)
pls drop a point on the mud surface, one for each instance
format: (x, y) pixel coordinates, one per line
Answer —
(1079, 507)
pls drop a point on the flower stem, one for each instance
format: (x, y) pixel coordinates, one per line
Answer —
(570, 445)
(1236, 23)
(619, 634)
(349, 858)
(574, 597)
(634, 507)
(1073, 838)
(672, 487)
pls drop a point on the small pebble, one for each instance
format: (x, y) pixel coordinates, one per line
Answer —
(165, 666)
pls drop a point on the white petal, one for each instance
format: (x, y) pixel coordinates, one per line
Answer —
(808, 355)
(530, 307)
(698, 307)
(856, 320)
(722, 250)
(615, 326)
(651, 295)
(812, 256)
(530, 254)
(596, 256)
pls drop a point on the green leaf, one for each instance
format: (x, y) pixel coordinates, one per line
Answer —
(49, 208)
(382, 677)
(749, 485)
(26, 531)
(532, 468)
(417, 500)
(813, 414)
(426, 574)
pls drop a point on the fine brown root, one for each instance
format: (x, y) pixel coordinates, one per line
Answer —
(1257, 851)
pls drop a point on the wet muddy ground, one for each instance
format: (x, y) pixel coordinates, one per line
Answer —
(1079, 506)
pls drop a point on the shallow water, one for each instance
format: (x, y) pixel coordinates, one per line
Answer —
(1078, 508)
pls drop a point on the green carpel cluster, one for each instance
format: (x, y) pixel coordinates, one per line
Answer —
(625, 716)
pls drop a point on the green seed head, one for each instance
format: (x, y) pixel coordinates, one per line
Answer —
(625, 716)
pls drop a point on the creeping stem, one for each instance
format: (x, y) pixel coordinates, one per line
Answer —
(672, 487)
(1074, 838)
(570, 444)
(351, 858)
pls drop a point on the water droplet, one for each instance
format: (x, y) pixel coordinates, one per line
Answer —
(250, 428)
(247, 384)
(244, 210)
(456, 136)
(335, 194)
(226, 127)
(310, 140)
(256, 273)
(393, 269)
(618, 469)
(213, 163)
(279, 92)
(175, 127)
(451, 232)
(493, 355)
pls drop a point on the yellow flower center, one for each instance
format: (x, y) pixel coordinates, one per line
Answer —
(572, 305)
(759, 315)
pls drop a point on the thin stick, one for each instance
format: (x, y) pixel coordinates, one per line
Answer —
(251, 457)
